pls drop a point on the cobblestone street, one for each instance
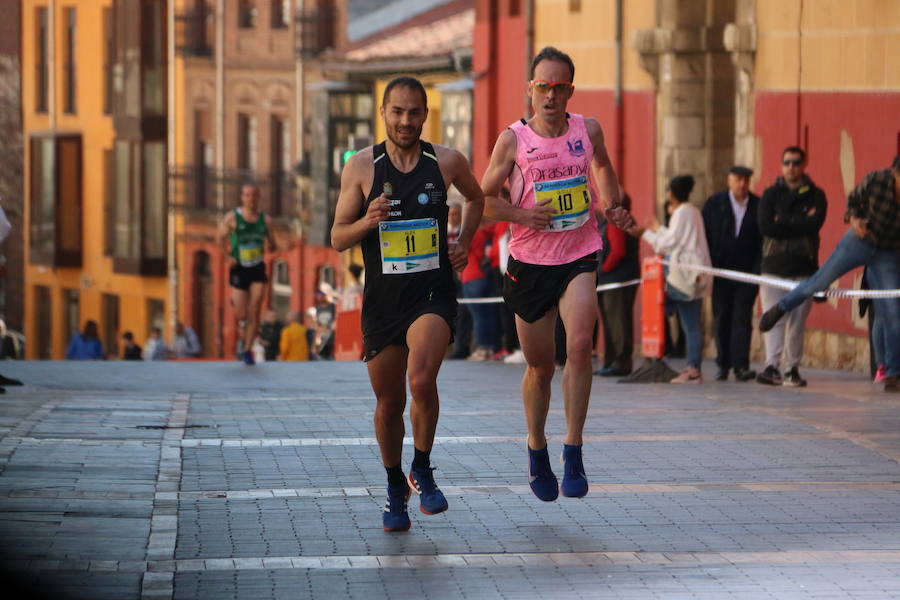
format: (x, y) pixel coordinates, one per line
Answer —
(214, 480)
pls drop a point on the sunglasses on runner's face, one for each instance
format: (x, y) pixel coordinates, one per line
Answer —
(544, 87)
(792, 161)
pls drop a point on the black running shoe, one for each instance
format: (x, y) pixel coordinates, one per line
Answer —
(769, 376)
(792, 379)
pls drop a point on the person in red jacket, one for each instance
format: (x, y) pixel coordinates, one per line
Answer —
(618, 263)
(477, 282)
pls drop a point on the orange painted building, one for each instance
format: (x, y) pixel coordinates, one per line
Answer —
(93, 97)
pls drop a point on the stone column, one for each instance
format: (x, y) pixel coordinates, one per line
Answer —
(695, 91)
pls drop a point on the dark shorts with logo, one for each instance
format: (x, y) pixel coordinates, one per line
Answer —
(531, 290)
(379, 331)
(241, 277)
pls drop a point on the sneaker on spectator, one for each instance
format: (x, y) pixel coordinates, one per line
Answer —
(500, 354)
(480, 354)
(880, 374)
(792, 379)
(769, 376)
(689, 375)
(517, 357)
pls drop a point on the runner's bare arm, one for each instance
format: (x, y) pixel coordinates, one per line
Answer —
(226, 226)
(502, 162)
(348, 227)
(456, 171)
(605, 177)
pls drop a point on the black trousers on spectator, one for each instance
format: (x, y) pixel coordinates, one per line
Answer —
(732, 303)
(617, 316)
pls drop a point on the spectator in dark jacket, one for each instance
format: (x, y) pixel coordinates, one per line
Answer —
(732, 232)
(618, 263)
(873, 241)
(85, 345)
(131, 351)
(791, 213)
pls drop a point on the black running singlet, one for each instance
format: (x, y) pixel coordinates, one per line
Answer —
(406, 256)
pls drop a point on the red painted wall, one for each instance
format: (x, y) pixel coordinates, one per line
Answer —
(872, 121)
(498, 63)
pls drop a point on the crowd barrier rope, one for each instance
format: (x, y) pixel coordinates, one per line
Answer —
(785, 284)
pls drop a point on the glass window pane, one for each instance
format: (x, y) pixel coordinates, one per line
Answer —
(364, 107)
(154, 73)
(154, 200)
(123, 234)
(44, 228)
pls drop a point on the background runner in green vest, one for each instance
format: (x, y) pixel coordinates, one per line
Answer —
(243, 235)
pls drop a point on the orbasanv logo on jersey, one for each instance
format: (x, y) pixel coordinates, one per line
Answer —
(537, 174)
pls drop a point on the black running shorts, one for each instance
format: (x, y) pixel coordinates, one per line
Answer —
(531, 290)
(241, 277)
(381, 331)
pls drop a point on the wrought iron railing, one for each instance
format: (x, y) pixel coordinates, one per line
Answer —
(198, 189)
(195, 31)
(315, 30)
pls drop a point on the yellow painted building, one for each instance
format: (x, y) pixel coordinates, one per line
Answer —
(94, 131)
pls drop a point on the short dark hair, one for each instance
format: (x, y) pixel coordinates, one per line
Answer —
(795, 150)
(551, 53)
(681, 187)
(895, 166)
(128, 336)
(408, 82)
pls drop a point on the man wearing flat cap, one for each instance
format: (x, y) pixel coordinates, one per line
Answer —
(732, 232)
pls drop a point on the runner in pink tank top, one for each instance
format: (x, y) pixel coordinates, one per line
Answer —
(555, 169)
(559, 176)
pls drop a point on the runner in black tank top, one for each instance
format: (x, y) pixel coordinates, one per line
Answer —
(394, 203)
(394, 299)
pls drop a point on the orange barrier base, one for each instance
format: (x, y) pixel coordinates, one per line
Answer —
(348, 329)
(653, 300)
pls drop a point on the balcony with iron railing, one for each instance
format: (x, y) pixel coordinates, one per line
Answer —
(198, 189)
(315, 30)
(195, 31)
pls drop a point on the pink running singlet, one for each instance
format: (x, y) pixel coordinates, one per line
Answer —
(557, 169)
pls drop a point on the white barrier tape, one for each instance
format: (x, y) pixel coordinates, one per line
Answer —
(785, 284)
(600, 288)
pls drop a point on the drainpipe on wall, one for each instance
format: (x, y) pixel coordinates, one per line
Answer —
(170, 144)
(620, 105)
(51, 63)
(220, 153)
(529, 50)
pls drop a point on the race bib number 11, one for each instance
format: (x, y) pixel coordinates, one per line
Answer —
(408, 246)
(569, 198)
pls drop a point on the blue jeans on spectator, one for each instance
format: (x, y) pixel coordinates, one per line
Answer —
(883, 274)
(689, 313)
(484, 316)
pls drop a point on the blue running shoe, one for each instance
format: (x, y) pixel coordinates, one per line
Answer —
(541, 478)
(395, 517)
(431, 498)
(247, 357)
(574, 483)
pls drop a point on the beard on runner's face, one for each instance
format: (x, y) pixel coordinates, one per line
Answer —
(404, 136)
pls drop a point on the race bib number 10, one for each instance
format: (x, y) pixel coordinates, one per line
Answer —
(408, 246)
(569, 198)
